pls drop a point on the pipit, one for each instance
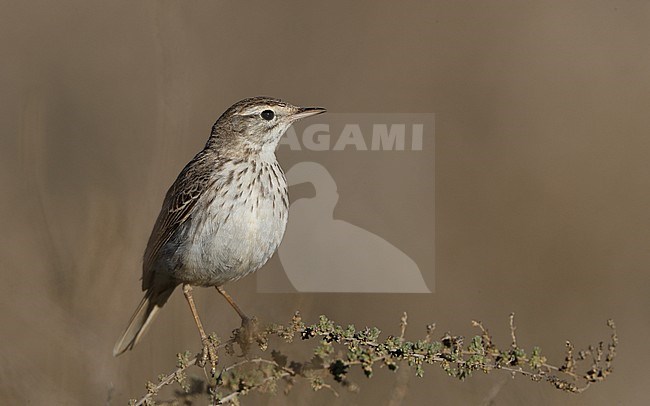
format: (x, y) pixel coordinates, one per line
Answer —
(223, 217)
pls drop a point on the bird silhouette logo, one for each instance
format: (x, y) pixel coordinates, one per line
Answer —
(323, 254)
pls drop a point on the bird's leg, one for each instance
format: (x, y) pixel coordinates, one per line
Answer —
(232, 303)
(248, 333)
(209, 352)
(187, 291)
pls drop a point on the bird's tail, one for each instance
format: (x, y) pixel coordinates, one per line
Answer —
(146, 312)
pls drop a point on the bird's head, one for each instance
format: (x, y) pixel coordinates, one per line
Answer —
(259, 122)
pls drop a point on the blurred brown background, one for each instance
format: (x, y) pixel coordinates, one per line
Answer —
(542, 176)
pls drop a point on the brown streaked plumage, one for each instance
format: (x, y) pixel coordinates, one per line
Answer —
(225, 214)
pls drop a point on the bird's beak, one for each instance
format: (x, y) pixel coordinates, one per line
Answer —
(307, 112)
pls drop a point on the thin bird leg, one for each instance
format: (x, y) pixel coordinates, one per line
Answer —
(209, 352)
(187, 290)
(232, 303)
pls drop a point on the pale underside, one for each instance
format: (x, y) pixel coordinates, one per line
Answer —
(234, 227)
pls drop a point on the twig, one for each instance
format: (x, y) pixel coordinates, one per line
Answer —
(168, 379)
(512, 330)
(341, 348)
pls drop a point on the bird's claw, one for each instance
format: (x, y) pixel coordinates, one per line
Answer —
(247, 334)
(209, 354)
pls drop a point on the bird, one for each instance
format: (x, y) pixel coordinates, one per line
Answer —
(223, 217)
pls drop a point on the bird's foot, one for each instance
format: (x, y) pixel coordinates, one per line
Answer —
(209, 353)
(248, 334)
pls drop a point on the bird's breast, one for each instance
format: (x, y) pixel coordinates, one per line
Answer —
(241, 222)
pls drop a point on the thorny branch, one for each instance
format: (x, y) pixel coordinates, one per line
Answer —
(340, 348)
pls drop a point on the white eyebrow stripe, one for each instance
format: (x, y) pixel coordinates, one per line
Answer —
(254, 110)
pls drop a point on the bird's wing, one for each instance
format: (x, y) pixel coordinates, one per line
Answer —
(179, 204)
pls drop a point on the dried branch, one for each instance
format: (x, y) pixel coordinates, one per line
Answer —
(341, 348)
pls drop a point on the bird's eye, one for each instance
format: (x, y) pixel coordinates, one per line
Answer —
(267, 115)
